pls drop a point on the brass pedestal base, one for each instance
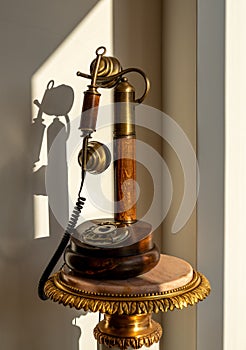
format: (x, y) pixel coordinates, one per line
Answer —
(128, 305)
(128, 331)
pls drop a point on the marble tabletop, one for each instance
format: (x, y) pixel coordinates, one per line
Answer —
(170, 273)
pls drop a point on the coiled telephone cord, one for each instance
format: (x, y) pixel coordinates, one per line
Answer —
(64, 241)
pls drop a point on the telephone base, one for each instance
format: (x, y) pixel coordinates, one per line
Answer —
(104, 248)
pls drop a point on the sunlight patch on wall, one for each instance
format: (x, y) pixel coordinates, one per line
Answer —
(75, 53)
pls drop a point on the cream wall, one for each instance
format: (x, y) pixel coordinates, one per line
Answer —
(210, 147)
(235, 177)
(161, 38)
(179, 101)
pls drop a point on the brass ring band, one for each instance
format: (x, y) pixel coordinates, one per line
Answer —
(130, 332)
(190, 294)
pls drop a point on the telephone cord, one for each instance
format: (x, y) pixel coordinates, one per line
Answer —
(64, 241)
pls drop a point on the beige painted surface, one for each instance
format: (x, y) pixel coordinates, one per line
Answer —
(179, 102)
(211, 155)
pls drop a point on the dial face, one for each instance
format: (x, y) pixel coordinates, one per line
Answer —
(105, 234)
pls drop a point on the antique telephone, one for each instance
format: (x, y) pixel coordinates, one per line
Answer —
(119, 247)
(99, 255)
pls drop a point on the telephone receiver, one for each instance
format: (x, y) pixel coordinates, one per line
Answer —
(122, 246)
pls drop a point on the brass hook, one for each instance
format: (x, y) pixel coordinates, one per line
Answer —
(101, 80)
(102, 49)
(99, 52)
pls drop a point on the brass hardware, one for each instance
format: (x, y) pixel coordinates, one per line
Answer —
(109, 66)
(95, 70)
(128, 331)
(101, 81)
(98, 157)
(124, 121)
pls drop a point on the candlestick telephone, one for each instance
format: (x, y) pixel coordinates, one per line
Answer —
(110, 248)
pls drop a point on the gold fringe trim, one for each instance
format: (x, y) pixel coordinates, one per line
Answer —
(190, 294)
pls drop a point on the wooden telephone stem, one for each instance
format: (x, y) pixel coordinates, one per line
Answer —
(124, 152)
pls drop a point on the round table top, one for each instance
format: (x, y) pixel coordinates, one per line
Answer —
(169, 274)
(171, 284)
